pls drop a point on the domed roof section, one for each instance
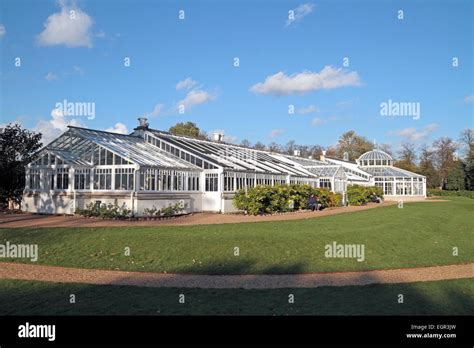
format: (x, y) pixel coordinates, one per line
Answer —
(375, 157)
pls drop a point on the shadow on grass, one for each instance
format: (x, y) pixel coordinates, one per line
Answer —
(240, 266)
(450, 297)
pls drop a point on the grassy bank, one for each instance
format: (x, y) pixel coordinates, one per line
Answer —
(420, 234)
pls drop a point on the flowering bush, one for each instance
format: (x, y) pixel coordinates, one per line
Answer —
(105, 211)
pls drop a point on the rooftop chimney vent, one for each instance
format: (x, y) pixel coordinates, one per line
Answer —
(345, 156)
(143, 122)
(322, 157)
(218, 136)
(297, 152)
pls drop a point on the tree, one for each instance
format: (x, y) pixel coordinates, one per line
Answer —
(407, 157)
(316, 151)
(455, 179)
(469, 173)
(445, 150)
(387, 148)
(354, 144)
(259, 146)
(427, 168)
(189, 129)
(274, 147)
(17, 147)
(304, 150)
(331, 152)
(290, 147)
(245, 143)
(467, 140)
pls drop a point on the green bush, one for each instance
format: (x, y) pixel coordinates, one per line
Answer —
(170, 210)
(152, 212)
(356, 195)
(360, 195)
(336, 200)
(462, 193)
(174, 209)
(282, 198)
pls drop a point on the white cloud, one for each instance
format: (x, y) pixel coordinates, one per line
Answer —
(232, 139)
(54, 127)
(308, 109)
(413, 134)
(196, 97)
(71, 27)
(347, 103)
(51, 76)
(20, 121)
(3, 31)
(118, 128)
(317, 121)
(280, 84)
(156, 111)
(187, 83)
(469, 99)
(299, 13)
(276, 133)
(431, 127)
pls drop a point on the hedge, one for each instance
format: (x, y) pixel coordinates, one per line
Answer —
(282, 198)
(360, 195)
(462, 193)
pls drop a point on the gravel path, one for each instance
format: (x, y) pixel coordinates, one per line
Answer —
(48, 221)
(158, 280)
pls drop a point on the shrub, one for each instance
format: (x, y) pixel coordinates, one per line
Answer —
(174, 209)
(461, 193)
(105, 211)
(152, 212)
(356, 195)
(360, 195)
(336, 200)
(114, 211)
(282, 198)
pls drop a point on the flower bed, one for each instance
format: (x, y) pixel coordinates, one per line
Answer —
(116, 212)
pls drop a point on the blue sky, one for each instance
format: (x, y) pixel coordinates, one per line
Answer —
(283, 62)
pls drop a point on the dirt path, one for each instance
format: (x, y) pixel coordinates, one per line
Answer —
(158, 280)
(45, 221)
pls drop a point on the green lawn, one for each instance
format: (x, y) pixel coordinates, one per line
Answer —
(449, 297)
(420, 234)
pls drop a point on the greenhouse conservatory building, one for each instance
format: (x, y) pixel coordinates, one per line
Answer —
(154, 169)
